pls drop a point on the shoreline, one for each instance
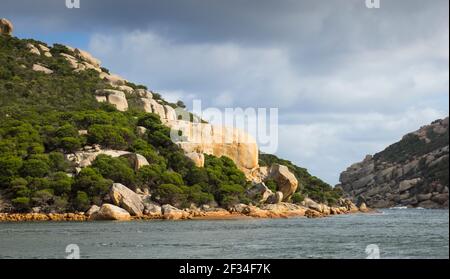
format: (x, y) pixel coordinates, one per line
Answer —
(249, 212)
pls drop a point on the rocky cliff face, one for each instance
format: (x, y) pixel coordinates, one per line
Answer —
(412, 172)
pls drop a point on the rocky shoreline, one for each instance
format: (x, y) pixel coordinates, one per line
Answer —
(281, 210)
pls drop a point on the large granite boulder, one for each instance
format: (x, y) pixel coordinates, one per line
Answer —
(126, 198)
(6, 27)
(87, 57)
(114, 97)
(111, 212)
(286, 181)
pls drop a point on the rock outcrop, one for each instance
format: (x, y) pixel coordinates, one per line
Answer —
(6, 27)
(218, 141)
(40, 68)
(286, 181)
(111, 212)
(127, 199)
(412, 172)
(114, 97)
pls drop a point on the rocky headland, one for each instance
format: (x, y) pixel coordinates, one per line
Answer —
(412, 172)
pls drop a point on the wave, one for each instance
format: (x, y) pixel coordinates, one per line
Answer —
(398, 207)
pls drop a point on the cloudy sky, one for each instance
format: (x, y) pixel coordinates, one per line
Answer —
(347, 80)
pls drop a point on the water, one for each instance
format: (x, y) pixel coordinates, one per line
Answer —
(399, 233)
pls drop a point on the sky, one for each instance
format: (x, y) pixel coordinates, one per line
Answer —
(347, 80)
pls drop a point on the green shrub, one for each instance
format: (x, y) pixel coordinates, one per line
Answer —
(35, 168)
(81, 201)
(297, 198)
(169, 194)
(21, 203)
(116, 169)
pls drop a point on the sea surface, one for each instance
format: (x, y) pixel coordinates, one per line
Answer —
(392, 233)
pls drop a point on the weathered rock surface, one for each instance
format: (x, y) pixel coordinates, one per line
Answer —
(412, 172)
(218, 141)
(127, 199)
(172, 213)
(32, 49)
(87, 57)
(111, 212)
(114, 97)
(94, 209)
(6, 27)
(286, 181)
(40, 68)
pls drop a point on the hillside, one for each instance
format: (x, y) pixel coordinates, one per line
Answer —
(70, 129)
(412, 172)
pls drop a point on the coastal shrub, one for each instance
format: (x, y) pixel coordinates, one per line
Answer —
(92, 183)
(61, 183)
(194, 194)
(116, 169)
(81, 201)
(170, 177)
(149, 176)
(57, 162)
(110, 136)
(35, 168)
(297, 198)
(9, 167)
(169, 194)
(271, 184)
(21, 203)
(42, 197)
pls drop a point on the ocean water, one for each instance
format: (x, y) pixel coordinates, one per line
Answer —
(392, 233)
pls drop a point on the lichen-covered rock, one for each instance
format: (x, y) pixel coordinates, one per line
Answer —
(127, 199)
(40, 68)
(94, 209)
(114, 97)
(87, 57)
(32, 49)
(111, 212)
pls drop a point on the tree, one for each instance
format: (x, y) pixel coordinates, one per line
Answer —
(116, 169)
(35, 168)
(92, 183)
(169, 194)
(81, 201)
(61, 183)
